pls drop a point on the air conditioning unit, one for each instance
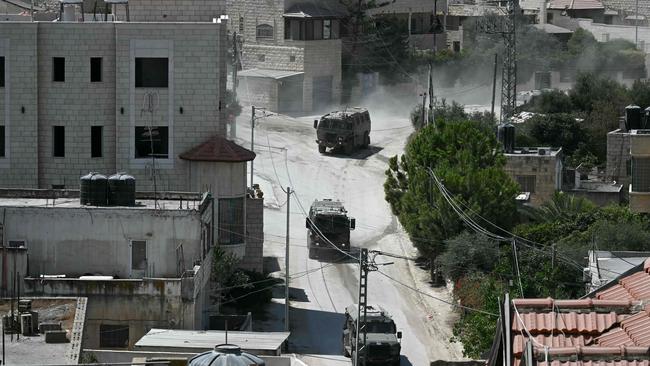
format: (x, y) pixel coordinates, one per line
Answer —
(26, 324)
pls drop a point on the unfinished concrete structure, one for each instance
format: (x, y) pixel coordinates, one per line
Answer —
(538, 170)
(640, 171)
(144, 266)
(290, 55)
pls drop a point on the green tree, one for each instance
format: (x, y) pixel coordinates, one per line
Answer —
(469, 162)
(467, 253)
(549, 101)
(559, 130)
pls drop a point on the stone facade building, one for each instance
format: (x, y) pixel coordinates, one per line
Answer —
(290, 53)
(538, 170)
(79, 97)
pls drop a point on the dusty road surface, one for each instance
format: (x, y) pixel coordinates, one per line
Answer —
(320, 290)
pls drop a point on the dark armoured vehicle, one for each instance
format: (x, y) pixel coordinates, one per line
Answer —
(348, 129)
(382, 337)
(328, 219)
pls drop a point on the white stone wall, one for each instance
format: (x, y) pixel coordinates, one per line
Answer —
(19, 167)
(76, 241)
(77, 104)
(172, 10)
(274, 57)
(255, 12)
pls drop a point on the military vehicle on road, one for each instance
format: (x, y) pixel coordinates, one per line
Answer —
(328, 228)
(348, 129)
(382, 337)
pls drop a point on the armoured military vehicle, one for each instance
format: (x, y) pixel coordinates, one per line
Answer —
(348, 129)
(328, 220)
(382, 337)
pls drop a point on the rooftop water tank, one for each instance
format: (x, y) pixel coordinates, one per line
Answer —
(646, 119)
(632, 117)
(121, 190)
(84, 188)
(225, 355)
(98, 190)
(506, 136)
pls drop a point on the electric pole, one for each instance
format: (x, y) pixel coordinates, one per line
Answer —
(494, 84)
(252, 139)
(286, 268)
(509, 72)
(361, 334)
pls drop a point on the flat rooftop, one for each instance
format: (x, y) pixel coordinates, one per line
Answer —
(172, 340)
(535, 151)
(60, 198)
(32, 350)
(146, 204)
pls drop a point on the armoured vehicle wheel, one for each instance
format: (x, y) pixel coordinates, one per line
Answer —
(349, 147)
(321, 149)
(312, 254)
(366, 140)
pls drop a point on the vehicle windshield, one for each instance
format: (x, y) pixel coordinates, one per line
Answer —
(335, 124)
(332, 223)
(380, 327)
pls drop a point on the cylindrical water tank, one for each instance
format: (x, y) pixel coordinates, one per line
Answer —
(121, 190)
(225, 355)
(84, 188)
(632, 117)
(98, 190)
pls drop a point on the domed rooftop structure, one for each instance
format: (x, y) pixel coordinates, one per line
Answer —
(225, 355)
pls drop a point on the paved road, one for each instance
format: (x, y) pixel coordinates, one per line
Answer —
(321, 290)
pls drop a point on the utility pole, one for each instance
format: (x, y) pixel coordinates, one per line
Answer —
(636, 25)
(362, 309)
(432, 116)
(509, 72)
(494, 84)
(286, 267)
(252, 139)
(424, 109)
(235, 68)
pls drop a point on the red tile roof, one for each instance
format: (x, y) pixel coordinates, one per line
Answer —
(632, 331)
(595, 363)
(218, 149)
(633, 287)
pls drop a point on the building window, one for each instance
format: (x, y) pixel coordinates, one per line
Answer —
(2, 141)
(16, 244)
(456, 46)
(151, 72)
(96, 137)
(327, 29)
(261, 58)
(526, 182)
(58, 141)
(292, 58)
(139, 255)
(151, 141)
(264, 31)
(2, 72)
(241, 24)
(95, 69)
(58, 69)
(640, 174)
(58, 186)
(113, 336)
(231, 220)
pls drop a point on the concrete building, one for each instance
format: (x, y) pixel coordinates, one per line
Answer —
(538, 170)
(640, 171)
(140, 267)
(423, 24)
(290, 53)
(82, 96)
(618, 156)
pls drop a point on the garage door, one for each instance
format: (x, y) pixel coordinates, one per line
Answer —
(322, 93)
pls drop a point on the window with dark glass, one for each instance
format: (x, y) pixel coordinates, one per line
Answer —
(264, 31)
(96, 138)
(58, 69)
(526, 182)
(231, 220)
(58, 141)
(151, 141)
(114, 336)
(309, 30)
(241, 24)
(2, 72)
(151, 72)
(95, 69)
(2, 141)
(139, 255)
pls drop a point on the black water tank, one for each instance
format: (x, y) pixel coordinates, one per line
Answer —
(506, 137)
(84, 188)
(121, 190)
(645, 123)
(98, 190)
(632, 117)
(225, 355)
